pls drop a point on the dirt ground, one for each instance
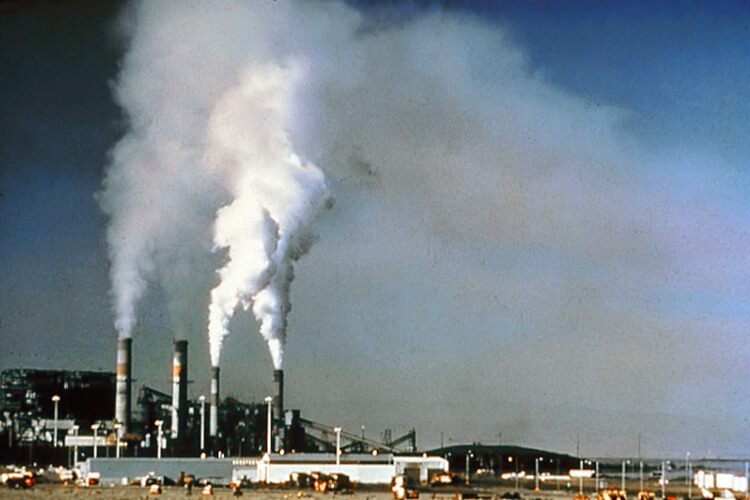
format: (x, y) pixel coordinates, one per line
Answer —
(48, 491)
(60, 492)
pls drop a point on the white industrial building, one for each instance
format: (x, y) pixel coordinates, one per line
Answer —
(712, 481)
(361, 468)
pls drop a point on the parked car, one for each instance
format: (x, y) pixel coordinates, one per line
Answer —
(403, 486)
(18, 479)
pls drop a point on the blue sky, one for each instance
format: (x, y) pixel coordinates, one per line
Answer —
(540, 220)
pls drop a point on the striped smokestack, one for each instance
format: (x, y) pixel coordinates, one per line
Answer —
(214, 423)
(179, 389)
(123, 388)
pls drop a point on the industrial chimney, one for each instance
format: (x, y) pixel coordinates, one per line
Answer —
(123, 389)
(179, 389)
(278, 409)
(214, 422)
(278, 398)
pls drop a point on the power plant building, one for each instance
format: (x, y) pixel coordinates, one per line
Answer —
(364, 468)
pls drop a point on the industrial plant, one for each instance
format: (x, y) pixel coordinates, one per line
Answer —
(45, 409)
(87, 421)
(63, 417)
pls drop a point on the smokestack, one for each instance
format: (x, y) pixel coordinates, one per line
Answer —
(214, 423)
(123, 388)
(179, 389)
(278, 398)
(278, 410)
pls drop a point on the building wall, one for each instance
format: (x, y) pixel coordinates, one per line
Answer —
(359, 473)
(279, 470)
(427, 466)
(113, 470)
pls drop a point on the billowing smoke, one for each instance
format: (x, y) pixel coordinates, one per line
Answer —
(276, 198)
(208, 101)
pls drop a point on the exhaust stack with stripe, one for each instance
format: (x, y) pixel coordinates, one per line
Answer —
(179, 389)
(214, 422)
(123, 389)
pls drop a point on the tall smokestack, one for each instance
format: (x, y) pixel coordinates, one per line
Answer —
(278, 398)
(179, 389)
(123, 388)
(278, 410)
(214, 422)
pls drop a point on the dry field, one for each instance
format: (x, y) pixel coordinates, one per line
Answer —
(60, 492)
(49, 491)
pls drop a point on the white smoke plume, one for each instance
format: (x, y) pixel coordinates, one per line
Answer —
(276, 198)
(207, 96)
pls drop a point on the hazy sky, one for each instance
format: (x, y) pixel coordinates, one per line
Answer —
(540, 222)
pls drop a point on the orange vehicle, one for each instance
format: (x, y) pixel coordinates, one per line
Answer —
(612, 494)
(646, 495)
(18, 479)
(403, 487)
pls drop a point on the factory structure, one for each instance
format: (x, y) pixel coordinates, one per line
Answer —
(57, 416)
(89, 420)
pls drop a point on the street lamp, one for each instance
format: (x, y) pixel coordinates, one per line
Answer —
(641, 476)
(74, 432)
(597, 480)
(337, 430)
(687, 474)
(536, 474)
(623, 475)
(202, 399)
(95, 428)
(268, 401)
(580, 477)
(468, 454)
(117, 438)
(158, 424)
(56, 400)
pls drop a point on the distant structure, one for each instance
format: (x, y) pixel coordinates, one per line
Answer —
(28, 411)
(92, 413)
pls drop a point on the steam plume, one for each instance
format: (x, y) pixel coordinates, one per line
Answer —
(276, 198)
(207, 150)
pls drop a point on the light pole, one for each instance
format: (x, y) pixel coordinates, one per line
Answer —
(536, 474)
(641, 476)
(623, 478)
(56, 400)
(117, 438)
(597, 479)
(580, 477)
(687, 475)
(268, 401)
(337, 430)
(202, 399)
(159, 424)
(74, 432)
(468, 470)
(95, 428)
